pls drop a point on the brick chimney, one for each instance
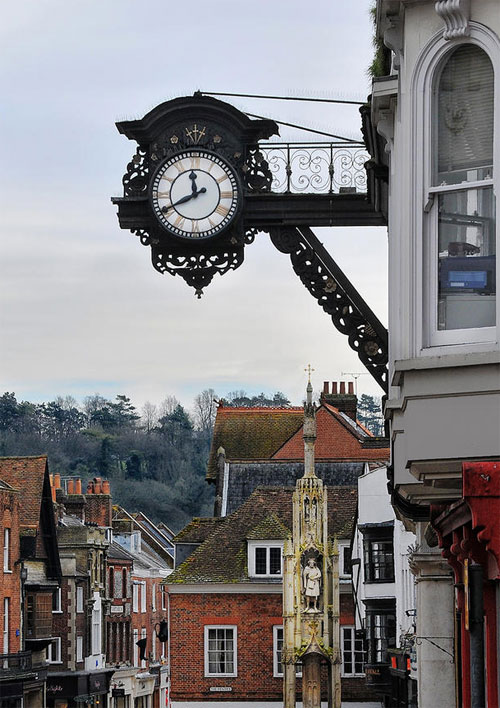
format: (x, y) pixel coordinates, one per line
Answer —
(74, 501)
(345, 402)
(98, 502)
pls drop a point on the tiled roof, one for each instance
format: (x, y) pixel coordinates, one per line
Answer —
(251, 433)
(26, 474)
(338, 438)
(117, 552)
(222, 557)
(198, 530)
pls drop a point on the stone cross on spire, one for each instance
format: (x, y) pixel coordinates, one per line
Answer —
(309, 429)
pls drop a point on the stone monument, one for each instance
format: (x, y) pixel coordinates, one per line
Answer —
(311, 604)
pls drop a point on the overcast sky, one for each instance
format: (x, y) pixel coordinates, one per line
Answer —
(82, 309)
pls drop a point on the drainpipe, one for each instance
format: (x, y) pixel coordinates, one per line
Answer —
(476, 624)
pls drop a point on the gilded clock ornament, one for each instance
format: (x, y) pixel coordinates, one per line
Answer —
(195, 194)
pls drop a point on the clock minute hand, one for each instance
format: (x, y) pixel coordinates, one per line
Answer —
(183, 200)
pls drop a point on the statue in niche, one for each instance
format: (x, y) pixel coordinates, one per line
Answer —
(311, 585)
(314, 511)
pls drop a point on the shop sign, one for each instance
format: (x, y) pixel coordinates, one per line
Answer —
(116, 609)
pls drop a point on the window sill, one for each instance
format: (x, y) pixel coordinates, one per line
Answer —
(380, 581)
(221, 676)
(7, 572)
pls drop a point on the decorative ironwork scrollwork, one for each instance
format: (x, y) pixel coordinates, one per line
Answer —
(136, 178)
(337, 296)
(258, 176)
(305, 168)
(197, 269)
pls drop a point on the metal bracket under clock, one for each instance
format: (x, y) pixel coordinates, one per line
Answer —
(197, 269)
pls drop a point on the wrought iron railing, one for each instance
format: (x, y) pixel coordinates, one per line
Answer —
(15, 663)
(312, 168)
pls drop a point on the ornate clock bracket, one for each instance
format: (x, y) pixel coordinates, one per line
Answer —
(337, 296)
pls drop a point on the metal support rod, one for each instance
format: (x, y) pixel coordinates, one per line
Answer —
(476, 621)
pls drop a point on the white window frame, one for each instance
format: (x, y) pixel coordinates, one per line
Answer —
(153, 597)
(135, 639)
(342, 571)
(276, 672)
(6, 550)
(54, 642)
(57, 593)
(235, 649)
(143, 596)
(135, 596)
(79, 648)
(267, 545)
(96, 630)
(143, 636)
(352, 651)
(429, 341)
(79, 598)
(6, 624)
(163, 598)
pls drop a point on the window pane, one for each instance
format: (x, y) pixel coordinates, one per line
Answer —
(220, 647)
(260, 561)
(465, 116)
(467, 259)
(275, 561)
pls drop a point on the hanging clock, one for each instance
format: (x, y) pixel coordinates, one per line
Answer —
(195, 194)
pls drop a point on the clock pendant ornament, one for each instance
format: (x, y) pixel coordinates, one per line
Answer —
(185, 189)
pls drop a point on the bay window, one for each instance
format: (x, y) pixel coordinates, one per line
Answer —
(461, 234)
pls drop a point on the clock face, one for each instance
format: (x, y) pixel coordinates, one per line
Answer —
(195, 194)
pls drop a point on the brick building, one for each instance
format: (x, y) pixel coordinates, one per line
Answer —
(144, 554)
(252, 447)
(30, 579)
(226, 628)
(77, 660)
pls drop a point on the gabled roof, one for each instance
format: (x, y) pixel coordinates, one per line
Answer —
(222, 558)
(251, 433)
(26, 474)
(259, 434)
(30, 475)
(338, 438)
(198, 530)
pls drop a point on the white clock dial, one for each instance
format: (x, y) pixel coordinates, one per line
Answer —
(195, 194)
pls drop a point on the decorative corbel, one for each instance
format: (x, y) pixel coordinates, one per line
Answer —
(456, 16)
(393, 38)
(385, 127)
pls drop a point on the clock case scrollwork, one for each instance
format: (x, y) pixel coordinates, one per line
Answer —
(186, 124)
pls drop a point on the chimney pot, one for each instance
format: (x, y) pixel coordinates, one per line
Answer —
(97, 485)
(53, 492)
(326, 387)
(334, 388)
(342, 387)
(78, 486)
(350, 388)
(106, 489)
(57, 481)
(90, 488)
(71, 486)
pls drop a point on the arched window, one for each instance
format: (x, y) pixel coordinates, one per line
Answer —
(111, 582)
(461, 238)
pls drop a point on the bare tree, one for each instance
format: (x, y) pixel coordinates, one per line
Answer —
(205, 410)
(168, 406)
(149, 416)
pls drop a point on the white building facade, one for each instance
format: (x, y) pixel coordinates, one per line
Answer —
(383, 585)
(438, 111)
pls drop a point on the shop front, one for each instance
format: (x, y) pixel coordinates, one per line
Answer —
(78, 689)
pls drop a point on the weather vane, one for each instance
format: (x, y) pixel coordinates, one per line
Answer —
(309, 370)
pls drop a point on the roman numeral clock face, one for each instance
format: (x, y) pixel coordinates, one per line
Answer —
(195, 194)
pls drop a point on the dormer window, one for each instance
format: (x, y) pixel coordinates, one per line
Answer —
(265, 559)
